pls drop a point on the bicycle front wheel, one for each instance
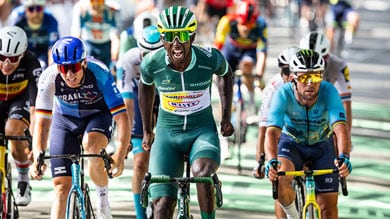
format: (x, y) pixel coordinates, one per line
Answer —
(88, 204)
(12, 209)
(298, 185)
(74, 211)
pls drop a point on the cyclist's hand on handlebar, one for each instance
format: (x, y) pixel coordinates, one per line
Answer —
(271, 169)
(344, 165)
(259, 169)
(227, 128)
(34, 173)
(147, 141)
(117, 165)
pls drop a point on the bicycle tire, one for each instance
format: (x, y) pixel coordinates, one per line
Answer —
(89, 214)
(74, 208)
(298, 185)
(12, 209)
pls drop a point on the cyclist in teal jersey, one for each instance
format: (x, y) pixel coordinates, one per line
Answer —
(303, 117)
(182, 74)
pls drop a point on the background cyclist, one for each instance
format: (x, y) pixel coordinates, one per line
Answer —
(97, 22)
(40, 26)
(302, 131)
(20, 71)
(242, 39)
(277, 81)
(182, 74)
(341, 14)
(128, 74)
(77, 97)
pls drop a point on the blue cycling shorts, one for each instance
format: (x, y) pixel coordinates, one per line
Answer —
(65, 137)
(321, 155)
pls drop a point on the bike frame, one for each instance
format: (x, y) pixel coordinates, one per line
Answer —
(77, 170)
(311, 209)
(183, 193)
(6, 185)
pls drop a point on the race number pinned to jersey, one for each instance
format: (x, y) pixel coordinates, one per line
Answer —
(185, 102)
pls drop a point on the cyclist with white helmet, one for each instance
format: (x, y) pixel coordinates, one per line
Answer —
(303, 117)
(277, 81)
(78, 97)
(128, 37)
(182, 73)
(20, 71)
(336, 69)
(128, 74)
(40, 26)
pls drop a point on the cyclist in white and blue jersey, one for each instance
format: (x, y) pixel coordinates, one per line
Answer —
(77, 96)
(128, 75)
(303, 117)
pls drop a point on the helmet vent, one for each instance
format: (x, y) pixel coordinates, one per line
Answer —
(66, 52)
(9, 45)
(75, 54)
(16, 47)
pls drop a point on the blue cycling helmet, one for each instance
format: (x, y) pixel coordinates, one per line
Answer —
(150, 39)
(68, 50)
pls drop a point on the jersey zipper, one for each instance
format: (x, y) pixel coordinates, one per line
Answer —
(307, 125)
(183, 87)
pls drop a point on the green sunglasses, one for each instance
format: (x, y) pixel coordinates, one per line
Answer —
(182, 36)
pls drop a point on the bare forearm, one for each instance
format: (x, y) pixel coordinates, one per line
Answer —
(225, 87)
(271, 142)
(146, 100)
(41, 134)
(342, 138)
(260, 142)
(123, 132)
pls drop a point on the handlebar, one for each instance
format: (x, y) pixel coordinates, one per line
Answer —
(75, 159)
(308, 173)
(148, 179)
(27, 137)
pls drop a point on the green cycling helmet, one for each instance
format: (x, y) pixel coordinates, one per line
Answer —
(176, 18)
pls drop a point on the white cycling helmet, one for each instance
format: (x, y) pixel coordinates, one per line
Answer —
(306, 60)
(143, 20)
(316, 41)
(150, 39)
(286, 54)
(33, 2)
(13, 41)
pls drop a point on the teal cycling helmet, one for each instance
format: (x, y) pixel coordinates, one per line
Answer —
(150, 39)
(306, 60)
(68, 50)
(176, 18)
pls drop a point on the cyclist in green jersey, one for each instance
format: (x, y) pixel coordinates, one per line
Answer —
(182, 74)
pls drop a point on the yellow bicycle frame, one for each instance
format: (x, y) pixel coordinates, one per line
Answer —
(3, 166)
(310, 188)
